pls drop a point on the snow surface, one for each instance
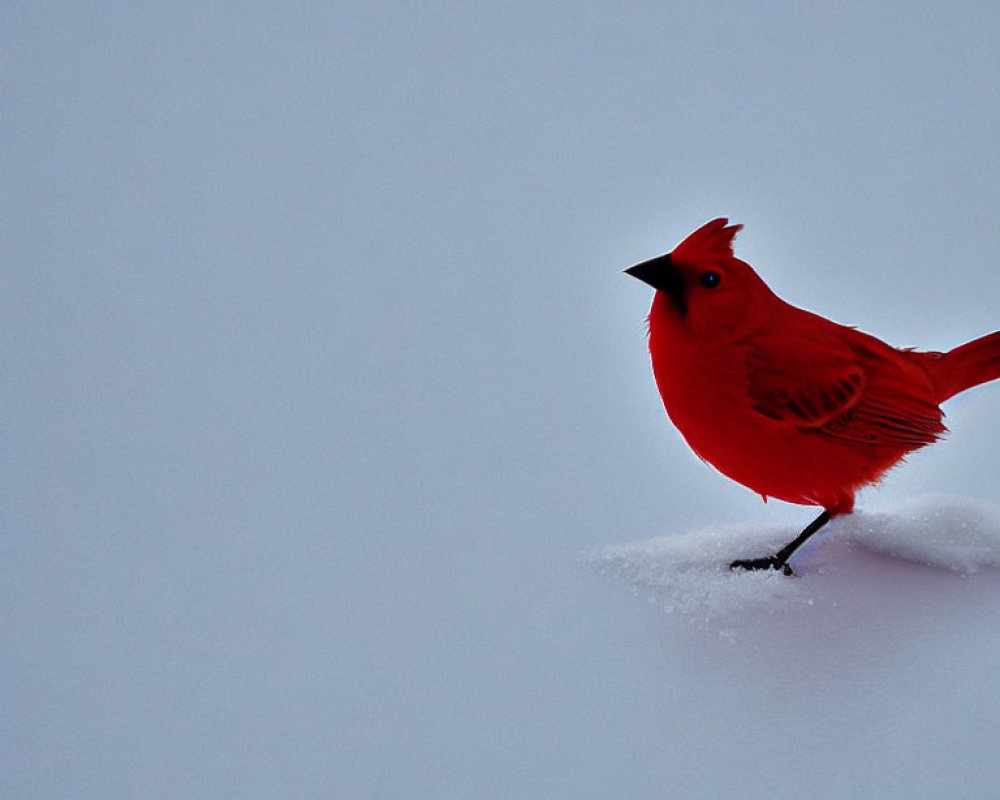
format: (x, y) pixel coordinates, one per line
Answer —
(861, 563)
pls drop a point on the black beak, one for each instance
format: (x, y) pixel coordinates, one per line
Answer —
(661, 274)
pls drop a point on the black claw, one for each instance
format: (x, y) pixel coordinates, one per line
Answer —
(768, 562)
(780, 561)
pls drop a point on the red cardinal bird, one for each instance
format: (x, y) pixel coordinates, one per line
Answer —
(788, 403)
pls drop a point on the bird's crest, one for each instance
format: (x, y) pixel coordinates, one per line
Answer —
(713, 241)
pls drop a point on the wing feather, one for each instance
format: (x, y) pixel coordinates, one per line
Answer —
(853, 393)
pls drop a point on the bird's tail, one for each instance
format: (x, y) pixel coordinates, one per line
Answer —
(966, 366)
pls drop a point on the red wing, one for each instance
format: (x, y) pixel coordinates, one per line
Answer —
(854, 394)
(803, 384)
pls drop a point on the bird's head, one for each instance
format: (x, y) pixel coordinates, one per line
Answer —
(703, 292)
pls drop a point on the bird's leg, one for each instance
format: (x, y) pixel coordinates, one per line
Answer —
(779, 560)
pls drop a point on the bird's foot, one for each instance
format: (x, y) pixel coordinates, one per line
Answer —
(768, 562)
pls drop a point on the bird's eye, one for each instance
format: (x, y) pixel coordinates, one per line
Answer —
(710, 279)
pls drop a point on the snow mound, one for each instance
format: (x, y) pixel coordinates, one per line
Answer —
(944, 531)
(689, 574)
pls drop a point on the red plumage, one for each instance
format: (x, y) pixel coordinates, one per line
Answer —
(786, 402)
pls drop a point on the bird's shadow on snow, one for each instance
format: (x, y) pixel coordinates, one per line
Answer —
(871, 584)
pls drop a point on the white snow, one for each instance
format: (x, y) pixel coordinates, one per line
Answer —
(946, 531)
(688, 573)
